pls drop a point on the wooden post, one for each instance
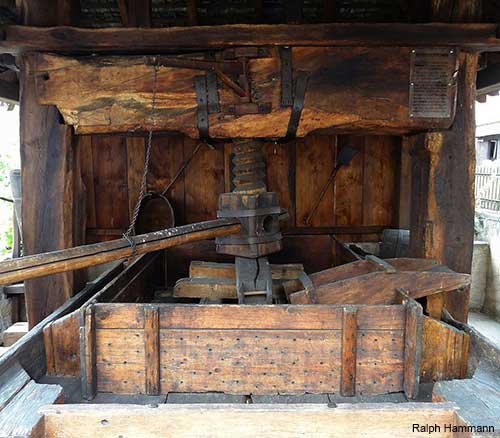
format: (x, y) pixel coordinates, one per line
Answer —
(88, 353)
(47, 178)
(413, 346)
(442, 219)
(349, 341)
(152, 349)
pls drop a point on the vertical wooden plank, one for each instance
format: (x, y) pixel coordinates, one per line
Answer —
(167, 156)
(228, 167)
(192, 13)
(259, 10)
(404, 185)
(349, 342)
(139, 13)
(329, 10)
(379, 180)
(49, 350)
(136, 153)
(109, 155)
(413, 348)
(348, 184)
(88, 353)
(315, 160)
(204, 181)
(152, 349)
(87, 170)
(68, 12)
(281, 177)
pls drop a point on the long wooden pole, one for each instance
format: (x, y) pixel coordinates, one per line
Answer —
(79, 257)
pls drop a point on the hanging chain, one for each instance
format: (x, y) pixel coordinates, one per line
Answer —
(131, 228)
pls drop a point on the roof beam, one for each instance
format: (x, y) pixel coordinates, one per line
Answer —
(19, 39)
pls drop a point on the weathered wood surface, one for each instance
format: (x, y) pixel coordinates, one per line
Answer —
(413, 346)
(30, 351)
(199, 269)
(113, 94)
(251, 349)
(70, 40)
(360, 267)
(90, 255)
(442, 218)
(11, 382)
(48, 170)
(380, 288)
(218, 280)
(21, 416)
(445, 351)
(349, 351)
(378, 420)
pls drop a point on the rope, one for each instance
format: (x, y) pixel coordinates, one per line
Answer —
(142, 192)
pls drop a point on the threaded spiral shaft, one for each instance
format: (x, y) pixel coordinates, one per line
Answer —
(249, 171)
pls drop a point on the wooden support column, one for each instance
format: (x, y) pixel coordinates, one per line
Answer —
(349, 347)
(152, 349)
(442, 219)
(88, 353)
(47, 178)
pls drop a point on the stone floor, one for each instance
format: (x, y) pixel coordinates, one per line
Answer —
(487, 326)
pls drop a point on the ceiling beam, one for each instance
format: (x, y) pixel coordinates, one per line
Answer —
(19, 39)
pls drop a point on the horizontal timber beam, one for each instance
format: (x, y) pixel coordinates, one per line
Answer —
(473, 36)
(39, 265)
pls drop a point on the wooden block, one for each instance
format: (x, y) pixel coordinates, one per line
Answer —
(14, 333)
(199, 269)
(413, 348)
(349, 341)
(205, 288)
(152, 349)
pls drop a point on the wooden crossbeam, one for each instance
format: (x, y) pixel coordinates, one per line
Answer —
(475, 36)
(65, 260)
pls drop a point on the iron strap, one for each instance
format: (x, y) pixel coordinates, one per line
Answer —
(200, 86)
(298, 104)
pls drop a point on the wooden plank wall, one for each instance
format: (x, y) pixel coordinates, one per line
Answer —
(247, 349)
(365, 194)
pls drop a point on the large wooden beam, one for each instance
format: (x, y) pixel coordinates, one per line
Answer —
(90, 255)
(476, 36)
(442, 219)
(48, 177)
(104, 94)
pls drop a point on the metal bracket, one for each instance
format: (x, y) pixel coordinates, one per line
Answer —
(200, 86)
(212, 93)
(298, 104)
